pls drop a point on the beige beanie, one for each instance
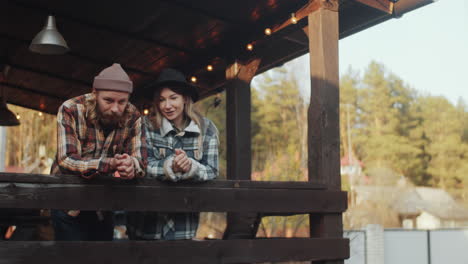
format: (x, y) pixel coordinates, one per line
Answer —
(113, 78)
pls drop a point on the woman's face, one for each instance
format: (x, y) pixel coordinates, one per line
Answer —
(171, 105)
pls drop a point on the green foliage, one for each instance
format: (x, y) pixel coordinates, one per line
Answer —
(424, 138)
(279, 115)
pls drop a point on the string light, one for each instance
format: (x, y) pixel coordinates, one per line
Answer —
(145, 111)
(249, 47)
(293, 18)
(40, 113)
(18, 116)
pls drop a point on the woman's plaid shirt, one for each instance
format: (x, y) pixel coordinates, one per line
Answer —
(161, 144)
(82, 147)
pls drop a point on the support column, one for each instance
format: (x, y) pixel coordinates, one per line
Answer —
(3, 138)
(323, 115)
(239, 156)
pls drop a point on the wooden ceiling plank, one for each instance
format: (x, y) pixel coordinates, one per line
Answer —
(37, 8)
(28, 98)
(100, 63)
(382, 5)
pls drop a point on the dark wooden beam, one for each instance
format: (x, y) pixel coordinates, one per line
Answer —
(239, 157)
(38, 8)
(162, 252)
(8, 177)
(135, 197)
(382, 5)
(41, 101)
(100, 62)
(51, 75)
(303, 12)
(238, 105)
(27, 90)
(323, 115)
(192, 8)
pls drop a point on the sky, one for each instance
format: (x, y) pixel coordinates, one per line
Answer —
(427, 48)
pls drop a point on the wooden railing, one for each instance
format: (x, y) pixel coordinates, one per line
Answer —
(269, 198)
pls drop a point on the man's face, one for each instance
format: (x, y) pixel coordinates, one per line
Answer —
(111, 106)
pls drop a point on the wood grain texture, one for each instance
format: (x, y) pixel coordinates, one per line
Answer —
(161, 252)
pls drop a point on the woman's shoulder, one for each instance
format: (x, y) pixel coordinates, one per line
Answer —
(210, 127)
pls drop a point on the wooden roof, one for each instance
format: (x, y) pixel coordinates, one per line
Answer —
(153, 34)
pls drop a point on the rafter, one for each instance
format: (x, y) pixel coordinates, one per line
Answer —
(382, 5)
(34, 7)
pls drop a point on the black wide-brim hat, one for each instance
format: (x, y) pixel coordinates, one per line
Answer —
(172, 78)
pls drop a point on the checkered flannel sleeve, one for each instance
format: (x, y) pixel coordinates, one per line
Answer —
(137, 147)
(207, 168)
(155, 168)
(69, 156)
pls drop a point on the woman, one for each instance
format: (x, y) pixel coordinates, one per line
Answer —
(182, 145)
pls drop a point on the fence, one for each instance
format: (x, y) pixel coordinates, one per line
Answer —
(401, 246)
(269, 198)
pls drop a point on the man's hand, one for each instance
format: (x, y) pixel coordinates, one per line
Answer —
(181, 162)
(125, 166)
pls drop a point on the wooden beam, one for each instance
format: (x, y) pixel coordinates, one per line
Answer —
(8, 177)
(323, 115)
(239, 157)
(101, 63)
(382, 5)
(310, 7)
(238, 107)
(162, 252)
(38, 8)
(132, 196)
(51, 75)
(323, 118)
(44, 102)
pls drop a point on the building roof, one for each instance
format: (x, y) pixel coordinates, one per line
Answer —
(148, 35)
(411, 201)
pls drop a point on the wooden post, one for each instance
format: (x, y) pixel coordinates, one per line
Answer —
(323, 116)
(239, 156)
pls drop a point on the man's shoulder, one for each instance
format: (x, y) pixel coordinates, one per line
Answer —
(150, 127)
(133, 113)
(75, 101)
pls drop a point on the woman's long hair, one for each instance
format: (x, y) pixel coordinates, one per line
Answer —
(190, 112)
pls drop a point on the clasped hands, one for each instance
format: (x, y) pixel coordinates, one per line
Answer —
(181, 162)
(123, 166)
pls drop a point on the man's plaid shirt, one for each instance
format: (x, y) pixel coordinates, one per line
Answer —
(161, 145)
(82, 147)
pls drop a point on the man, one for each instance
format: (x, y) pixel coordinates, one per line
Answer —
(98, 133)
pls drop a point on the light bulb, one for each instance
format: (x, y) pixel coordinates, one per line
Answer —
(293, 18)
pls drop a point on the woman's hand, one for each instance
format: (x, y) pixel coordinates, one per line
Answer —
(181, 162)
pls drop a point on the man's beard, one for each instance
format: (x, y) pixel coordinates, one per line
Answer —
(109, 120)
